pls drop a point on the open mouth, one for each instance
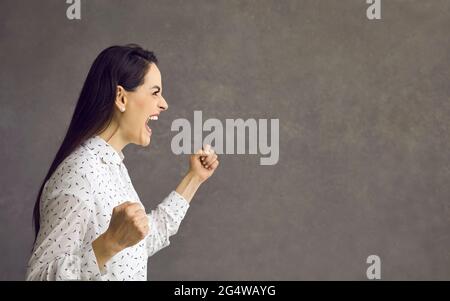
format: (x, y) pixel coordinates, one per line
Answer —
(152, 118)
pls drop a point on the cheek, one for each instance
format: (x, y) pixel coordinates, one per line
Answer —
(137, 113)
(141, 103)
(142, 107)
(146, 105)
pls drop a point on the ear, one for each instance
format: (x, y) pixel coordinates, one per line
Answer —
(121, 99)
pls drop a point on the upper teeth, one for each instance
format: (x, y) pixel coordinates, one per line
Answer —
(153, 117)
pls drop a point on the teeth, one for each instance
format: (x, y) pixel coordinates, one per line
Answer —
(153, 117)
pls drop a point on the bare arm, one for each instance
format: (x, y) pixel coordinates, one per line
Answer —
(201, 166)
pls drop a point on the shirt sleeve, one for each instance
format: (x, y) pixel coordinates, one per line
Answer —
(164, 221)
(62, 251)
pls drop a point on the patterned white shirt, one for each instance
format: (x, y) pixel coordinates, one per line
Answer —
(76, 207)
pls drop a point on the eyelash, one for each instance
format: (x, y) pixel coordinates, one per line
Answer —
(155, 93)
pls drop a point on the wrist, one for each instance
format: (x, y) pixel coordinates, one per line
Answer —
(189, 185)
(194, 178)
(106, 246)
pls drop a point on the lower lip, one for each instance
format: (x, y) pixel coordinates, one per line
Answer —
(149, 130)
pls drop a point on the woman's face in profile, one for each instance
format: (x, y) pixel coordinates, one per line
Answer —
(142, 108)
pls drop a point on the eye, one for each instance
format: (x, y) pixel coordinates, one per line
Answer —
(155, 93)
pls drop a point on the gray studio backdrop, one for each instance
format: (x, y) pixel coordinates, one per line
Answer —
(364, 130)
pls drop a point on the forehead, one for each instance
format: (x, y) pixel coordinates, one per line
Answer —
(153, 76)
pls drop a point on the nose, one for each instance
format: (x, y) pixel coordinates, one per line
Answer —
(163, 104)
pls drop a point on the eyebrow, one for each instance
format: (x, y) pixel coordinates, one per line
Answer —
(157, 87)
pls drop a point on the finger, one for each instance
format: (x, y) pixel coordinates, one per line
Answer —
(214, 165)
(140, 213)
(200, 152)
(144, 219)
(133, 208)
(146, 230)
(210, 152)
(209, 165)
(144, 226)
(210, 159)
(143, 231)
(207, 148)
(203, 156)
(144, 223)
(141, 221)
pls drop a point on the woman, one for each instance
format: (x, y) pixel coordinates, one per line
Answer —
(89, 221)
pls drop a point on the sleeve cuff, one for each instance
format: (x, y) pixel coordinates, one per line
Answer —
(89, 265)
(178, 202)
(81, 265)
(180, 198)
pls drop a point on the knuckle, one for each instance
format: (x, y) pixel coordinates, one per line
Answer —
(137, 207)
(128, 211)
(142, 233)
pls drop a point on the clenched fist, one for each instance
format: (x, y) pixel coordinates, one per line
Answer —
(128, 226)
(204, 162)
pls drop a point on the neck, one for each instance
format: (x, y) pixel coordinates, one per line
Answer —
(113, 136)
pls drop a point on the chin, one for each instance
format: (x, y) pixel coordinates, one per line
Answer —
(146, 140)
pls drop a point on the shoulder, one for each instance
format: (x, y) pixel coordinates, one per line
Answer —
(79, 171)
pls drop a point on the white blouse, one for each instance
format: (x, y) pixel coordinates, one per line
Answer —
(76, 207)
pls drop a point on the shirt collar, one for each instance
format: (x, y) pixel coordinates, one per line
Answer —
(104, 150)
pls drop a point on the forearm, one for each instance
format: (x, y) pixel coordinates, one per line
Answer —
(188, 186)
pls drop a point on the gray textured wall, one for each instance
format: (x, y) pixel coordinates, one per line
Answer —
(364, 130)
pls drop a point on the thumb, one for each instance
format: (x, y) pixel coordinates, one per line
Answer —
(200, 152)
(207, 148)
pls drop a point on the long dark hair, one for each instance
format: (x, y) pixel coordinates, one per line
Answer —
(116, 65)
